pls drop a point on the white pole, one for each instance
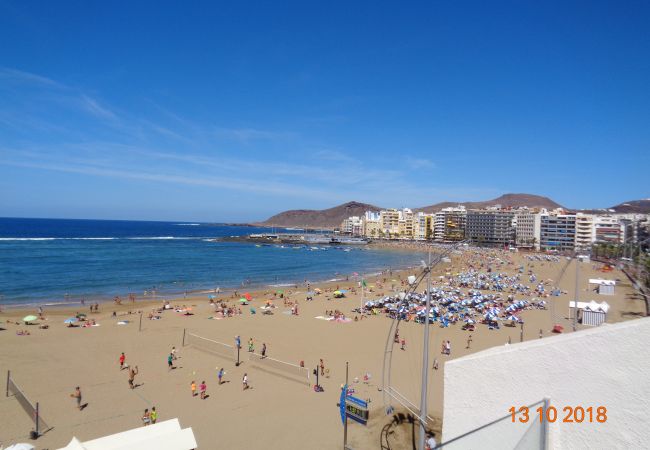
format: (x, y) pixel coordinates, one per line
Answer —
(425, 363)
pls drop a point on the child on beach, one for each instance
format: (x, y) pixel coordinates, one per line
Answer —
(193, 387)
(146, 417)
(122, 359)
(204, 388)
(245, 382)
(220, 375)
(251, 347)
(263, 350)
(154, 414)
(403, 344)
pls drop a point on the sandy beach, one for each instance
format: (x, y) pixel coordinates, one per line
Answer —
(278, 411)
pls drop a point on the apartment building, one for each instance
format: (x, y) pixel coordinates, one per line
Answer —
(449, 224)
(389, 221)
(527, 229)
(557, 231)
(423, 226)
(405, 224)
(608, 230)
(584, 231)
(490, 227)
(352, 225)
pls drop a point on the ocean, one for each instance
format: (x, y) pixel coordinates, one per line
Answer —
(58, 261)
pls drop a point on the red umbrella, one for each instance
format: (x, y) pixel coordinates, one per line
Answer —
(248, 296)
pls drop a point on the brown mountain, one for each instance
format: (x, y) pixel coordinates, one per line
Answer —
(319, 218)
(633, 206)
(506, 201)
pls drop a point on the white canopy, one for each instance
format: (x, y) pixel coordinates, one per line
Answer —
(600, 281)
(166, 435)
(591, 306)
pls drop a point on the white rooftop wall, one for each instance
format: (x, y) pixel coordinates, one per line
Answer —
(605, 366)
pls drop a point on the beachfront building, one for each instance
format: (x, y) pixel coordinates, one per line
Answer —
(371, 225)
(389, 222)
(584, 231)
(405, 224)
(423, 226)
(491, 227)
(352, 225)
(449, 224)
(557, 231)
(608, 230)
(526, 225)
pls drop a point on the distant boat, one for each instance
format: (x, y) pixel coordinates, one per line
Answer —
(295, 229)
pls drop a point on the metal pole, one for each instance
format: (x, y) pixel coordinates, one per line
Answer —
(575, 304)
(521, 333)
(345, 424)
(8, 378)
(140, 325)
(238, 347)
(183, 338)
(425, 363)
(37, 420)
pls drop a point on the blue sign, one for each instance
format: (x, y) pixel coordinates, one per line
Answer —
(344, 391)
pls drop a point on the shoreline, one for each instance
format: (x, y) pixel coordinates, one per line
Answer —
(173, 295)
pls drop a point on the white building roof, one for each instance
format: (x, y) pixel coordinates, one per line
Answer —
(600, 281)
(166, 435)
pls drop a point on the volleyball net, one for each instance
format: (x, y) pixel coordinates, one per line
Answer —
(32, 409)
(217, 348)
(280, 368)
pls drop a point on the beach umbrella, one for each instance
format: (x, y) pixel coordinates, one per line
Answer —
(29, 318)
(211, 297)
(70, 320)
(242, 300)
(247, 295)
(279, 292)
(511, 317)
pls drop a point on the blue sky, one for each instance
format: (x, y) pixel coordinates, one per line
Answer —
(233, 112)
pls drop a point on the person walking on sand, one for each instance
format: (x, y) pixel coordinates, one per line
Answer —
(435, 363)
(77, 394)
(322, 368)
(220, 376)
(443, 348)
(245, 382)
(170, 361)
(132, 373)
(174, 357)
(469, 341)
(448, 348)
(193, 388)
(122, 359)
(251, 346)
(263, 350)
(403, 344)
(204, 389)
(154, 415)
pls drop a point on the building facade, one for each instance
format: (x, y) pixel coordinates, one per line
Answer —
(490, 228)
(449, 225)
(557, 231)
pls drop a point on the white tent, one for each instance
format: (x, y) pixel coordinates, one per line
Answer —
(166, 435)
(601, 282)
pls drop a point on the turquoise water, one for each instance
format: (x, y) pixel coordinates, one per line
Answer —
(58, 261)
